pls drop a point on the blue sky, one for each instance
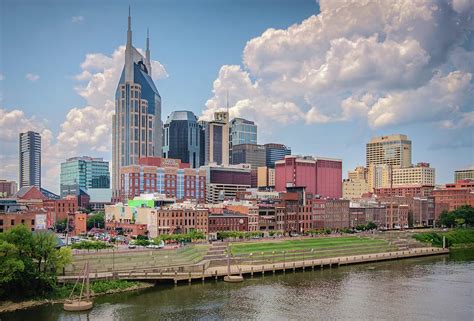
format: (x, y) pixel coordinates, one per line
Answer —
(320, 78)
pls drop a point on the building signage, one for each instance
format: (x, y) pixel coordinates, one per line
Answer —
(40, 222)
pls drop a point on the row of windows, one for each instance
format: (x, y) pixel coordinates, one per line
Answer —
(12, 222)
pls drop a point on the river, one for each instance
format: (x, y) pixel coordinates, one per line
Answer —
(429, 288)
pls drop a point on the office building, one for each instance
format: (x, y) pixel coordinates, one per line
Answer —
(265, 177)
(379, 176)
(242, 131)
(463, 174)
(315, 175)
(83, 173)
(275, 152)
(356, 184)
(30, 159)
(455, 194)
(252, 154)
(165, 176)
(421, 174)
(216, 139)
(393, 150)
(182, 138)
(224, 182)
(354, 188)
(7, 188)
(359, 173)
(136, 125)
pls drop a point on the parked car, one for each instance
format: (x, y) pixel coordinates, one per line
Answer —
(131, 246)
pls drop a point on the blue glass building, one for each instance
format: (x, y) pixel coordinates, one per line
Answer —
(241, 131)
(182, 138)
(275, 152)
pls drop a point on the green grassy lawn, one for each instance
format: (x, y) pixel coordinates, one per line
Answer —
(305, 244)
(139, 259)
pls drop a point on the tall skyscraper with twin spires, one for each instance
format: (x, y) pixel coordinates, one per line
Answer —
(136, 124)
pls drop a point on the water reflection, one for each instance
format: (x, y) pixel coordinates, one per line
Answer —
(431, 288)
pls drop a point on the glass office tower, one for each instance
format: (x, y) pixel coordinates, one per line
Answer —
(182, 138)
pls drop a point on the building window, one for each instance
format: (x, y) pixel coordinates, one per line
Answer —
(12, 222)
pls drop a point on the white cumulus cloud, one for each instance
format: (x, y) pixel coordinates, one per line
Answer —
(386, 62)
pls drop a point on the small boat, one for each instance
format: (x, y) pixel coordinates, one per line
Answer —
(80, 304)
(231, 278)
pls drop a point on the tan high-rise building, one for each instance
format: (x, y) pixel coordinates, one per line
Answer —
(393, 150)
(216, 134)
(464, 174)
(359, 172)
(356, 184)
(421, 174)
(265, 177)
(378, 176)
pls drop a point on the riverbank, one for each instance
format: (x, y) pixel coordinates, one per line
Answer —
(407, 289)
(10, 306)
(456, 238)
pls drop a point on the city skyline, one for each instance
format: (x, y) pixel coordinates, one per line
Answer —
(335, 125)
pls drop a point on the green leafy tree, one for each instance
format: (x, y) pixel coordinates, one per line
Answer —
(29, 262)
(447, 219)
(60, 225)
(371, 226)
(96, 220)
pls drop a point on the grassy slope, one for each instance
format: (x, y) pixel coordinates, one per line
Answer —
(455, 237)
(304, 244)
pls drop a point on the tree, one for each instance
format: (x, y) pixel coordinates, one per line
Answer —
(371, 226)
(29, 262)
(96, 220)
(447, 219)
(60, 225)
(11, 266)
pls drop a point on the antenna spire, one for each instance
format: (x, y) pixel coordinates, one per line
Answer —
(147, 53)
(129, 19)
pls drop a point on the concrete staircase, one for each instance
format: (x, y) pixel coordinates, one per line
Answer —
(217, 254)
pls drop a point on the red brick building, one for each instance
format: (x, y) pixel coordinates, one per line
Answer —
(318, 176)
(77, 222)
(128, 229)
(60, 209)
(456, 194)
(228, 221)
(409, 190)
(165, 176)
(330, 213)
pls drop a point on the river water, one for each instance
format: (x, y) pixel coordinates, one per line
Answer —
(430, 288)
